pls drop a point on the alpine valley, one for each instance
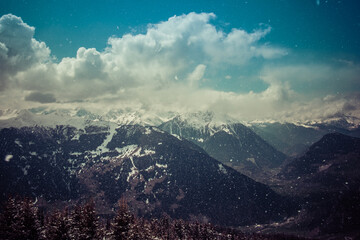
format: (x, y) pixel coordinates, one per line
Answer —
(268, 177)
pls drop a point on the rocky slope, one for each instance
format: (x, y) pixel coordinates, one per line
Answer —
(154, 171)
(232, 143)
(326, 179)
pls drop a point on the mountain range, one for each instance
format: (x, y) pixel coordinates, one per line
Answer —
(154, 171)
(232, 143)
(198, 167)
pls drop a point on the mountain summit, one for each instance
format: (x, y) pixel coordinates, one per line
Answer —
(230, 142)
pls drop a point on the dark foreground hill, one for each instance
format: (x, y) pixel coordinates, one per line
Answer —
(327, 178)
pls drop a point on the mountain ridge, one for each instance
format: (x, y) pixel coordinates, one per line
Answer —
(156, 172)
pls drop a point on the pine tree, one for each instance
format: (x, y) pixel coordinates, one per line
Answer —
(30, 222)
(9, 219)
(89, 222)
(19, 220)
(179, 229)
(165, 227)
(123, 222)
(75, 219)
(58, 226)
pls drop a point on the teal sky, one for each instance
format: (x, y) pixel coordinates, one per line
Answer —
(308, 50)
(316, 26)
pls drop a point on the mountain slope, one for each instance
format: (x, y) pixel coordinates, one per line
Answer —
(294, 139)
(288, 138)
(155, 172)
(334, 151)
(327, 179)
(231, 143)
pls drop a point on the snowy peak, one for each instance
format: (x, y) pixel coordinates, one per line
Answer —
(128, 117)
(26, 118)
(118, 116)
(200, 119)
(229, 142)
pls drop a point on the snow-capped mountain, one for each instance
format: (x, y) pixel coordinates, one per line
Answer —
(74, 117)
(154, 171)
(26, 118)
(230, 142)
(144, 118)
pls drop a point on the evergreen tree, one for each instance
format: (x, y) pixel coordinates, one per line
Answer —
(9, 219)
(123, 222)
(139, 229)
(89, 222)
(75, 222)
(179, 229)
(19, 220)
(30, 223)
(58, 226)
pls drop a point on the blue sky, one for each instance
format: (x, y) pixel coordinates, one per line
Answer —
(326, 27)
(259, 59)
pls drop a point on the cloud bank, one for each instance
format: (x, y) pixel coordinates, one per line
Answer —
(168, 69)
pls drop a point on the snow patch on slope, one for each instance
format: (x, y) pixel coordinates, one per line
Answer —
(17, 142)
(177, 136)
(8, 157)
(324, 167)
(134, 170)
(102, 148)
(134, 151)
(252, 160)
(222, 168)
(127, 150)
(161, 165)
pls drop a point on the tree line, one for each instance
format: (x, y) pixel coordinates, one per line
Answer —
(21, 219)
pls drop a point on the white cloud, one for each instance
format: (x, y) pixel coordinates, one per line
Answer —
(18, 49)
(161, 71)
(180, 48)
(315, 78)
(195, 76)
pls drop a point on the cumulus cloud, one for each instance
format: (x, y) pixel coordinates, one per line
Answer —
(18, 49)
(181, 47)
(166, 69)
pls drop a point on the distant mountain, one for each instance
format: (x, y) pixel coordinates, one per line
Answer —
(292, 139)
(288, 138)
(330, 155)
(52, 117)
(295, 139)
(26, 118)
(327, 178)
(230, 142)
(154, 171)
(128, 117)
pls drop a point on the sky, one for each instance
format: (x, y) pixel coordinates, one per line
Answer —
(253, 60)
